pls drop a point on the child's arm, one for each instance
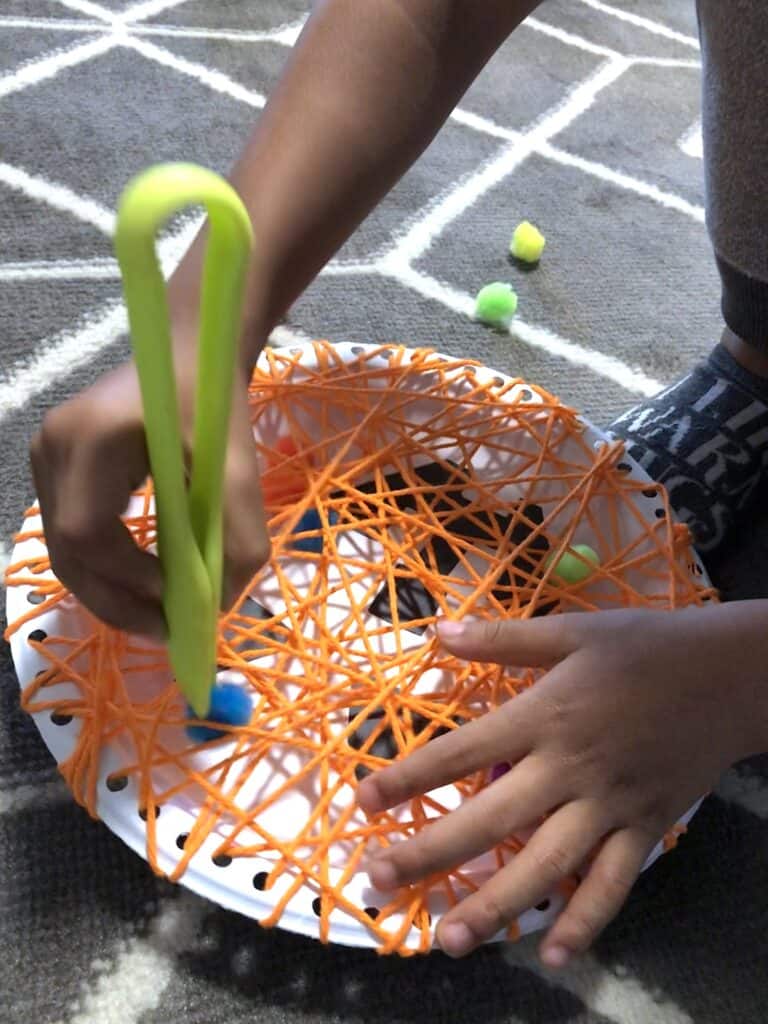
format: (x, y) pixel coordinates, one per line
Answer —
(365, 91)
(368, 86)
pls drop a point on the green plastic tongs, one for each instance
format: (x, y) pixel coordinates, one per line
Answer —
(189, 520)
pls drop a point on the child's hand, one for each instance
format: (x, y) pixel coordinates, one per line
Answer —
(87, 459)
(638, 716)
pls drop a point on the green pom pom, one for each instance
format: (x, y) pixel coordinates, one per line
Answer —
(527, 243)
(571, 568)
(496, 304)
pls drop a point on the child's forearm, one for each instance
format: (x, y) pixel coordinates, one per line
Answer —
(366, 89)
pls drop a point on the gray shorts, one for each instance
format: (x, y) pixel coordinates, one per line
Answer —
(734, 43)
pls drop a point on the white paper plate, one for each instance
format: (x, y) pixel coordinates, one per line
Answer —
(236, 884)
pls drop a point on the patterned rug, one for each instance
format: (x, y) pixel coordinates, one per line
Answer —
(586, 122)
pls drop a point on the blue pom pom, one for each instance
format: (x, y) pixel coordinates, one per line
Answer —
(230, 705)
(311, 521)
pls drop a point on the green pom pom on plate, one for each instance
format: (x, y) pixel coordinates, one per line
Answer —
(576, 564)
(496, 304)
(527, 243)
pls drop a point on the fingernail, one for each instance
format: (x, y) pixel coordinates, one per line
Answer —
(382, 874)
(449, 629)
(455, 939)
(555, 956)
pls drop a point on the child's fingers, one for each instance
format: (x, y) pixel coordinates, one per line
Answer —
(119, 607)
(502, 735)
(599, 897)
(515, 801)
(119, 582)
(116, 580)
(554, 852)
(541, 642)
(109, 551)
(84, 477)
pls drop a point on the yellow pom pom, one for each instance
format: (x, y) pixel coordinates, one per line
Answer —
(527, 243)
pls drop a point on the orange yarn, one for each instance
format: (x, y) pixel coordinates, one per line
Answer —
(464, 484)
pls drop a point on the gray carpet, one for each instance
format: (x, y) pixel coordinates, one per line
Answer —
(602, 153)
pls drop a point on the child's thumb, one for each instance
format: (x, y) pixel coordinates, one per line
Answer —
(523, 642)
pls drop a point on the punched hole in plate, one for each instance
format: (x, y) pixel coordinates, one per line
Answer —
(260, 880)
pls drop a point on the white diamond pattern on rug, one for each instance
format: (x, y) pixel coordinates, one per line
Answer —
(579, 123)
(641, 36)
(265, 16)
(636, 125)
